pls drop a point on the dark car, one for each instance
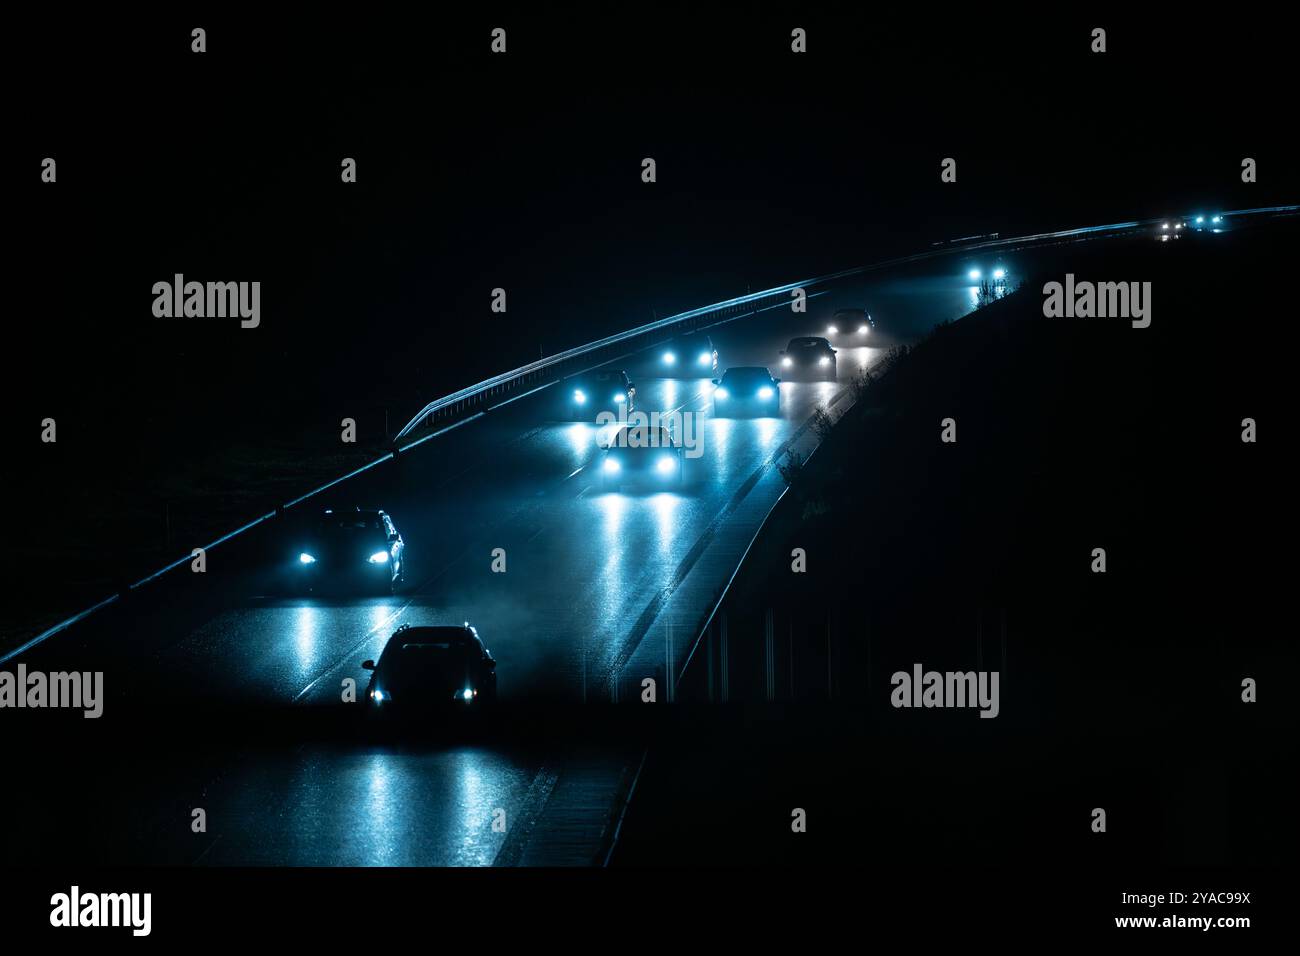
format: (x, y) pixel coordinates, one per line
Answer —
(645, 455)
(587, 395)
(745, 391)
(851, 325)
(808, 355)
(351, 547)
(691, 356)
(430, 669)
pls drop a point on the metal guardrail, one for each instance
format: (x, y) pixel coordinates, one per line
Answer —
(451, 410)
(481, 397)
(554, 367)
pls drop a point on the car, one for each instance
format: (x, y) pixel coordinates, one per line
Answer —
(431, 668)
(352, 547)
(808, 355)
(746, 390)
(851, 324)
(692, 355)
(1208, 223)
(587, 395)
(645, 455)
(1168, 229)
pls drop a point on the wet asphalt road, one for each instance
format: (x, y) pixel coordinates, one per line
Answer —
(601, 589)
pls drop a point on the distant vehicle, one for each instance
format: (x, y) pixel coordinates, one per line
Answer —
(431, 669)
(351, 547)
(1171, 229)
(809, 355)
(1213, 223)
(646, 455)
(855, 323)
(692, 355)
(746, 390)
(588, 395)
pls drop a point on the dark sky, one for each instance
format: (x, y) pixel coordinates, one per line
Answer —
(522, 171)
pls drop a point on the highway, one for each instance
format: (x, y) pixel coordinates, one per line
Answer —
(600, 591)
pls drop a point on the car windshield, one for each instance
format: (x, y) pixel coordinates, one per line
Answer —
(344, 524)
(807, 343)
(602, 378)
(741, 377)
(407, 650)
(642, 437)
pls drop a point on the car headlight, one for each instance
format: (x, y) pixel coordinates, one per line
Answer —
(787, 361)
(620, 396)
(1002, 273)
(378, 696)
(720, 392)
(580, 396)
(465, 695)
(1217, 219)
(824, 360)
(862, 330)
(973, 275)
(666, 464)
(832, 330)
(765, 392)
(379, 557)
(670, 358)
(306, 558)
(706, 358)
(612, 466)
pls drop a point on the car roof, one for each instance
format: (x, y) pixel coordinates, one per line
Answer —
(601, 376)
(809, 340)
(433, 635)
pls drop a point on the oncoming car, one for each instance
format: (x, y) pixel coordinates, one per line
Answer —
(351, 547)
(430, 669)
(851, 324)
(1170, 229)
(746, 390)
(809, 355)
(587, 395)
(645, 455)
(691, 355)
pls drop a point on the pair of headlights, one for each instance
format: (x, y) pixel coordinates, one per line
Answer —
(379, 557)
(764, 393)
(383, 697)
(580, 397)
(704, 358)
(665, 465)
